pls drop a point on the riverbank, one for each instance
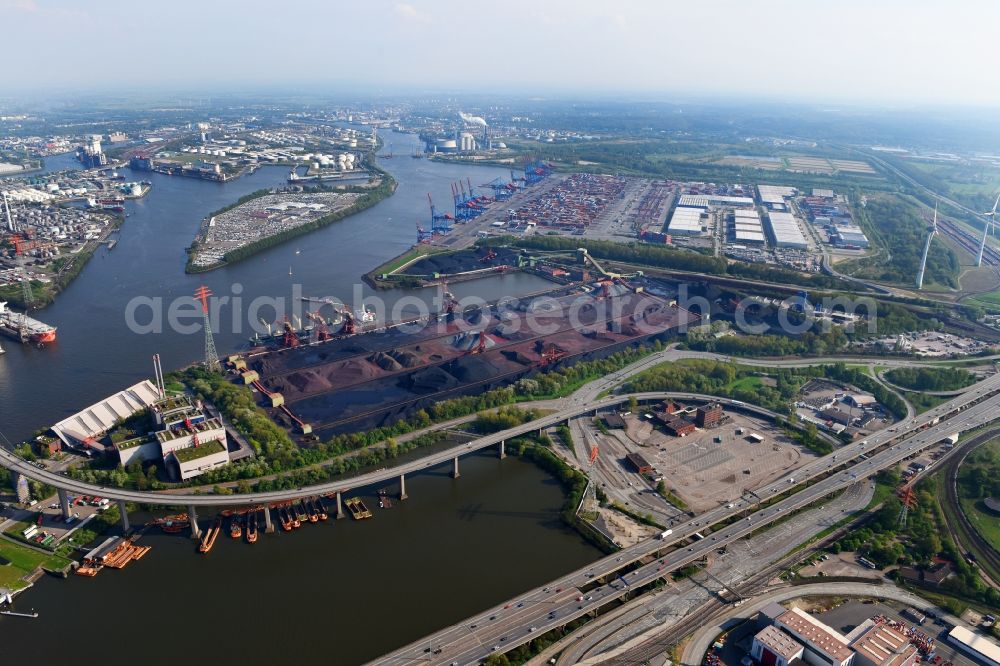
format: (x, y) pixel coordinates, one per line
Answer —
(66, 268)
(370, 196)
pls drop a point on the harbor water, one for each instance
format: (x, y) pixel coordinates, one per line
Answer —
(339, 592)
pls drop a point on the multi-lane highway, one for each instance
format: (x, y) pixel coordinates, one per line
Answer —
(515, 623)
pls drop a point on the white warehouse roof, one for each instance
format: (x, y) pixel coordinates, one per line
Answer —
(703, 200)
(742, 212)
(99, 418)
(685, 221)
(785, 230)
(774, 193)
(975, 643)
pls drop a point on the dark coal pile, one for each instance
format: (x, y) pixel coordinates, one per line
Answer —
(431, 380)
(462, 261)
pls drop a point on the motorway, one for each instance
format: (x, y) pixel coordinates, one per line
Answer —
(542, 609)
(753, 558)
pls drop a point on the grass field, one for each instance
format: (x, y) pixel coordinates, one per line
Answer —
(745, 383)
(23, 561)
(985, 523)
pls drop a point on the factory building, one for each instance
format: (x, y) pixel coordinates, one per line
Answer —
(773, 647)
(883, 645)
(822, 645)
(785, 231)
(685, 221)
(186, 437)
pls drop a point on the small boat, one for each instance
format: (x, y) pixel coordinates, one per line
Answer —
(251, 527)
(289, 270)
(235, 531)
(298, 251)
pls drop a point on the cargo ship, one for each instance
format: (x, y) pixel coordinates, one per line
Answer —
(24, 328)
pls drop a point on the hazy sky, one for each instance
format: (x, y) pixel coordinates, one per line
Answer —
(892, 51)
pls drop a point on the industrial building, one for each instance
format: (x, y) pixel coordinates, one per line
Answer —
(186, 438)
(709, 416)
(706, 200)
(785, 231)
(83, 428)
(823, 646)
(773, 647)
(685, 221)
(774, 196)
(883, 645)
(849, 236)
(975, 645)
(747, 228)
(640, 464)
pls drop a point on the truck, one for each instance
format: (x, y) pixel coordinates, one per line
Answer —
(664, 534)
(951, 439)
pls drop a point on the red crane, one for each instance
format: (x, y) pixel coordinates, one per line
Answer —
(290, 339)
(322, 330)
(349, 325)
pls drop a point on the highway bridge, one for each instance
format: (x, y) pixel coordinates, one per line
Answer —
(66, 486)
(587, 589)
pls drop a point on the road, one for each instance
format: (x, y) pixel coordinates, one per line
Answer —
(742, 560)
(497, 630)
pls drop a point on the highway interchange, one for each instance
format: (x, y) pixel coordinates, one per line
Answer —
(586, 590)
(579, 593)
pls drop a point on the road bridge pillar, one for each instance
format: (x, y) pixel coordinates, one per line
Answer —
(454, 472)
(340, 507)
(193, 517)
(402, 487)
(503, 450)
(64, 503)
(268, 525)
(123, 515)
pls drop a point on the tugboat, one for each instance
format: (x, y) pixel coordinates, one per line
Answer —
(175, 524)
(251, 527)
(235, 531)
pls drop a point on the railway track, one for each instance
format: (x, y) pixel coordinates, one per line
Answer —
(965, 533)
(968, 242)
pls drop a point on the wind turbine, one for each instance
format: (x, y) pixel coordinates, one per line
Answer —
(927, 248)
(991, 217)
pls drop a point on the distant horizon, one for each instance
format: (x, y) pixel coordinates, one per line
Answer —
(891, 54)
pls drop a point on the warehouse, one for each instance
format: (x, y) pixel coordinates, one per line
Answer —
(975, 645)
(785, 231)
(774, 195)
(850, 236)
(706, 200)
(685, 222)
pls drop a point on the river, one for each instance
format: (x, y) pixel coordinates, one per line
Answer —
(338, 592)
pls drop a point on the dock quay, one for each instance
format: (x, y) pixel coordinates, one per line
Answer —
(357, 508)
(114, 552)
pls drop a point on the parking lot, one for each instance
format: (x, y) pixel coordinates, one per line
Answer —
(714, 466)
